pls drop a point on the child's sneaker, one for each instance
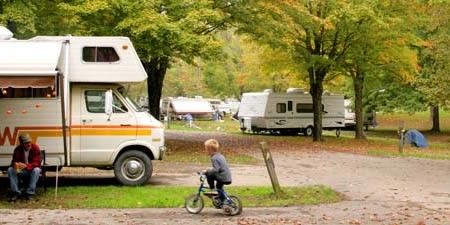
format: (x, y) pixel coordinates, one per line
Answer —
(212, 191)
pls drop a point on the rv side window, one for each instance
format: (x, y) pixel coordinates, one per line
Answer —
(28, 87)
(281, 107)
(307, 108)
(95, 102)
(304, 108)
(100, 54)
(28, 93)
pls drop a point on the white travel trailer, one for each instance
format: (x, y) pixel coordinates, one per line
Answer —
(369, 117)
(350, 121)
(68, 94)
(178, 107)
(288, 113)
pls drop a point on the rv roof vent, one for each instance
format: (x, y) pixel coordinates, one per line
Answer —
(268, 91)
(295, 90)
(5, 34)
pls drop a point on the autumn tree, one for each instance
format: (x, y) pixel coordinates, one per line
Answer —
(434, 81)
(317, 34)
(382, 51)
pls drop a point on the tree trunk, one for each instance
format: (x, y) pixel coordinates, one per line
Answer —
(435, 117)
(316, 91)
(156, 70)
(358, 85)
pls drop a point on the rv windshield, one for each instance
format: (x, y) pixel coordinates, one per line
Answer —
(130, 100)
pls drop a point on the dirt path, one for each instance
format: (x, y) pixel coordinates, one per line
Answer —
(380, 190)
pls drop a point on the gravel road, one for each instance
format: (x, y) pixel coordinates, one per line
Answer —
(379, 190)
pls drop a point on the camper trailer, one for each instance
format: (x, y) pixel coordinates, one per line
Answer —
(68, 94)
(288, 113)
(369, 117)
(350, 121)
(178, 107)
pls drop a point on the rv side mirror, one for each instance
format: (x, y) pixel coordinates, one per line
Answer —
(108, 102)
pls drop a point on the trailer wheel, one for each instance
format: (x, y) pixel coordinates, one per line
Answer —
(133, 168)
(338, 132)
(308, 131)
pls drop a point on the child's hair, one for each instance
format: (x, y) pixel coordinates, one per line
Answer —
(212, 144)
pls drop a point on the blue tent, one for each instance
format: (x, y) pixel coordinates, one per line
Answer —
(415, 138)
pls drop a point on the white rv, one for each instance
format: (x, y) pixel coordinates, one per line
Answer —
(288, 113)
(369, 117)
(178, 107)
(350, 121)
(68, 94)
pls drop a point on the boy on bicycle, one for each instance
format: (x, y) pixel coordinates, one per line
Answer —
(220, 174)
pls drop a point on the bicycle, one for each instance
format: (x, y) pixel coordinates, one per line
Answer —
(194, 203)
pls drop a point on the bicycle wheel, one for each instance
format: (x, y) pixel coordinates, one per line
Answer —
(235, 207)
(194, 203)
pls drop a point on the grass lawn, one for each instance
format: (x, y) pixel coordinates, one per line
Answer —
(167, 197)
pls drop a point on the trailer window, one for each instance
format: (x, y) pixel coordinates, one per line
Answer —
(95, 102)
(304, 108)
(28, 87)
(307, 108)
(100, 54)
(281, 107)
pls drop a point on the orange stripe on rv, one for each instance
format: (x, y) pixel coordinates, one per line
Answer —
(113, 127)
(77, 130)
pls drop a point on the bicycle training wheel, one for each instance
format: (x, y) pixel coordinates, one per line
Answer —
(236, 206)
(194, 203)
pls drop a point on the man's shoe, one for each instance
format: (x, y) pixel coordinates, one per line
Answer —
(14, 197)
(28, 197)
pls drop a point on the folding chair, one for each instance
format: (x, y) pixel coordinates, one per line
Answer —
(43, 170)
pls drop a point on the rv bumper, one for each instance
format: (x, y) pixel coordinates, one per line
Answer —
(162, 152)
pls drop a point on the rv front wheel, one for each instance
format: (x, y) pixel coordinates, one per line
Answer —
(133, 168)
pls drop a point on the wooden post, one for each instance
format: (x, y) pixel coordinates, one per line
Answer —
(270, 168)
(401, 132)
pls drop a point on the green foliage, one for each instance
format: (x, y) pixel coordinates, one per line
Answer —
(19, 17)
(435, 57)
(393, 96)
(393, 44)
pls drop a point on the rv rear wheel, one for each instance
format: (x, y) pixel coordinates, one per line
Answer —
(133, 168)
(308, 131)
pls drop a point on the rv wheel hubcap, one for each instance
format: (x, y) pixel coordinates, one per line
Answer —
(133, 169)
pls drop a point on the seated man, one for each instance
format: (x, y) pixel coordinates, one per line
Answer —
(25, 163)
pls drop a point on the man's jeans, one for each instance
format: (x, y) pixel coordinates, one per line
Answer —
(14, 181)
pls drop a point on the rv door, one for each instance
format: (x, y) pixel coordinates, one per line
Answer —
(105, 122)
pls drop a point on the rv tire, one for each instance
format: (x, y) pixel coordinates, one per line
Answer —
(133, 168)
(308, 131)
